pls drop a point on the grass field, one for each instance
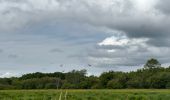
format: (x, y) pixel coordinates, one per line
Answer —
(127, 94)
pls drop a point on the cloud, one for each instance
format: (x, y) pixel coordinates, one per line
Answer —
(1, 50)
(163, 6)
(113, 41)
(13, 56)
(110, 32)
(120, 51)
(21, 13)
(56, 50)
(120, 15)
(8, 75)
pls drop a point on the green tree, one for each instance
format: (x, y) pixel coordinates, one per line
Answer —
(75, 77)
(152, 63)
(115, 84)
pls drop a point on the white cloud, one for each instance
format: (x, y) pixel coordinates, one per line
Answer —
(114, 41)
(118, 51)
(8, 75)
(112, 50)
(144, 5)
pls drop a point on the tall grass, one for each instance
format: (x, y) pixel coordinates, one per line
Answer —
(85, 94)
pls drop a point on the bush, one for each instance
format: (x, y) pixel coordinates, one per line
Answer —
(50, 86)
(168, 85)
(114, 84)
(6, 87)
(68, 86)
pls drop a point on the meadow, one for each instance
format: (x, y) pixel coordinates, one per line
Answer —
(125, 94)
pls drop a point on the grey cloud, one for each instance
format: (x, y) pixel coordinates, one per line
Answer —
(163, 6)
(110, 47)
(60, 10)
(13, 56)
(56, 50)
(1, 50)
(133, 54)
(128, 20)
(78, 25)
(78, 56)
(160, 42)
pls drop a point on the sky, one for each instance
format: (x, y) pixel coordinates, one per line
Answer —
(62, 35)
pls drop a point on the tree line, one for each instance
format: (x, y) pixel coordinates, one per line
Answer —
(153, 75)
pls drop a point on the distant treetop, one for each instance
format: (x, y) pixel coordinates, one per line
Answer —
(152, 63)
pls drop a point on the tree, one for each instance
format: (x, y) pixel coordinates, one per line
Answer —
(152, 63)
(75, 77)
(50, 86)
(106, 77)
(115, 84)
(91, 82)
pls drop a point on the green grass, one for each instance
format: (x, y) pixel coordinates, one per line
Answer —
(127, 94)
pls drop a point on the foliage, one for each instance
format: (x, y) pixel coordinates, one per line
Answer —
(152, 63)
(151, 76)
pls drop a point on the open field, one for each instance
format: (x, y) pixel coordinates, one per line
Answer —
(127, 94)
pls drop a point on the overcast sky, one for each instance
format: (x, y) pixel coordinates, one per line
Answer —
(62, 35)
